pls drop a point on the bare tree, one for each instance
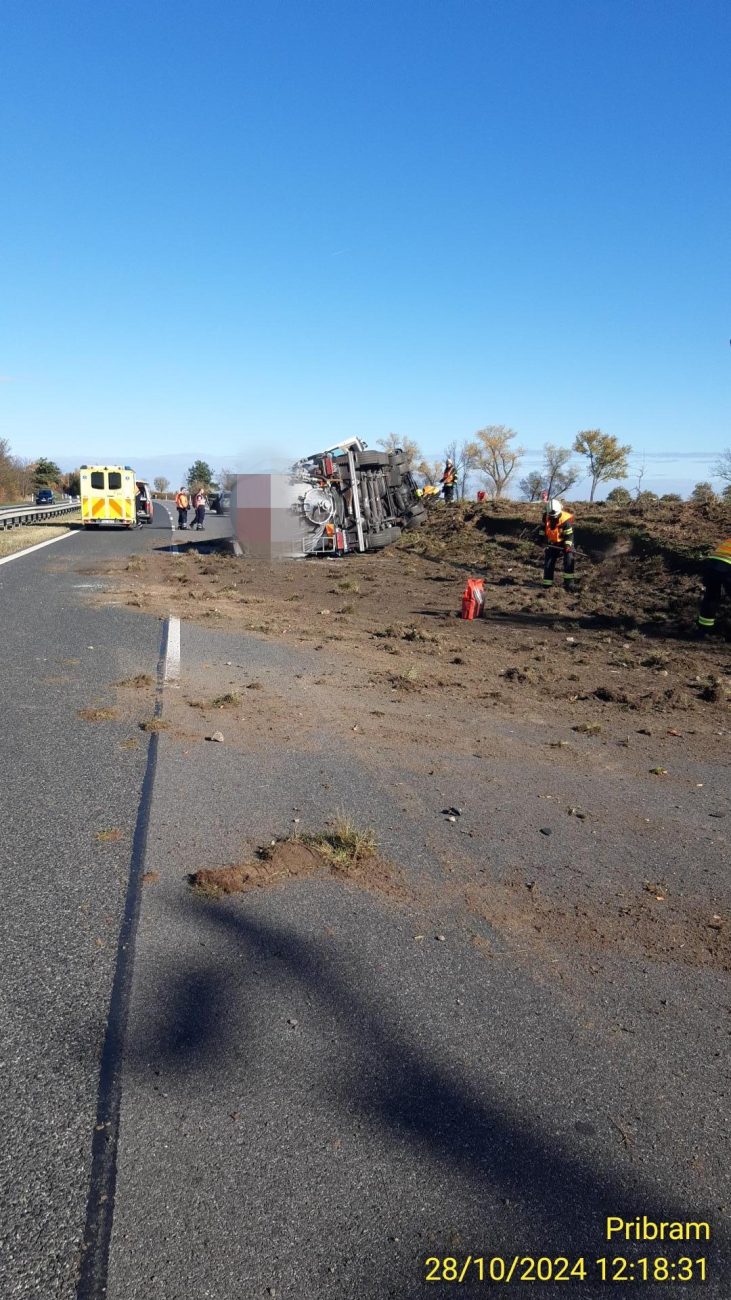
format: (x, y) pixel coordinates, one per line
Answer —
(532, 485)
(9, 486)
(24, 474)
(17, 476)
(495, 457)
(640, 475)
(408, 446)
(465, 462)
(429, 470)
(559, 473)
(722, 467)
(161, 485)
(226, 479)
(607, 459)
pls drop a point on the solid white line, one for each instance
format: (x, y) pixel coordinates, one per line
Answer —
(173, 546)
(38, 546)
(172, 658)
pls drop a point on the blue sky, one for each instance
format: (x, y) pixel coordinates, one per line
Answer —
(231, 226)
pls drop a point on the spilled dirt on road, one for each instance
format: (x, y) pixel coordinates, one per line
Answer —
(600, 686)
(300, 858)
(644, 923)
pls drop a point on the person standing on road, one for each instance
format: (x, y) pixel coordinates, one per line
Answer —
(558, 528)
(717, 579)
(449, 480)
(139, 506)
(182, 501)
(199, 503)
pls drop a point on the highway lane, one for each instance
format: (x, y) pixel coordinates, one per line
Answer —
(63, 781)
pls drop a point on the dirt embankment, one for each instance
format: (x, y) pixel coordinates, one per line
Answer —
(617, 650)
(636, 567)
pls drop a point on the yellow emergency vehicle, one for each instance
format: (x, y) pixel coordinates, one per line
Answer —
(108, 495)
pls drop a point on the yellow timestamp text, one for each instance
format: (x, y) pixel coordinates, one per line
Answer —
(560, 1268)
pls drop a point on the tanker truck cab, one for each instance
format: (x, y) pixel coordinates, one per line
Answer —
(108, 495)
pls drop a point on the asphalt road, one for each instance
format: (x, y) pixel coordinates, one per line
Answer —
(318, 1094)
(63, 780)
(341, 1098)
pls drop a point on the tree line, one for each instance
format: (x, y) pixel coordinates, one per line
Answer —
(492, 456)
(199, 476)
(20, 479)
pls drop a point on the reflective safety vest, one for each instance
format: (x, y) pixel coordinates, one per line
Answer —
(562, 533)
(182, 501)
(723, 551)
(449, 477)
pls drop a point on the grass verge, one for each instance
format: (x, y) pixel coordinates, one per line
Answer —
(14, 540)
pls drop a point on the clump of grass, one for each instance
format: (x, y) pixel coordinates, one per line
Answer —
(406, 680)
(97, 715)
(110, 836)
(344, 845)
(137, 683)
(349, 585)
(658, 660)
(230, 700)
(347, 609)
(154, 725)
(418, 634)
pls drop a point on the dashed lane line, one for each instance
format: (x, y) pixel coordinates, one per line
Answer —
(171, 674)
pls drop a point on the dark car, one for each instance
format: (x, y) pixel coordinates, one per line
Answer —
(221, 502)
(45, 497)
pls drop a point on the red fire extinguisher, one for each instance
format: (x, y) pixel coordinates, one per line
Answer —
(473, 599)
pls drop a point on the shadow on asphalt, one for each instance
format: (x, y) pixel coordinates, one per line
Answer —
(202, 545)
(392, 1086)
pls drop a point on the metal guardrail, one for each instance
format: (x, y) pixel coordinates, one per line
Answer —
(16, 516)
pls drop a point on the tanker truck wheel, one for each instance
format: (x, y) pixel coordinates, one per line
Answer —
(377, 541)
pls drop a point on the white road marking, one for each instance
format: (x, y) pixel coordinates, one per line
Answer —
(173, 546)
(38, 546)
(172, 657)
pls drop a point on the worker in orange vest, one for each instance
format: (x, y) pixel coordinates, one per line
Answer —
(449, 480)
(182, 501)
(558, 528)
(717, 579)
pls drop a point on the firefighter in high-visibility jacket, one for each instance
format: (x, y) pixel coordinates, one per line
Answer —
(717, 579)
(449, 480)
(558, 527)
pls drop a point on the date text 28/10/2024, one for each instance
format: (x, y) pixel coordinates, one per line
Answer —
(560, 1268)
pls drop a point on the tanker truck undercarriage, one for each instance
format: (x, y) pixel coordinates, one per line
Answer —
(350, 498)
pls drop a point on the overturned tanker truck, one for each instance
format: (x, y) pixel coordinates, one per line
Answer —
(347, 498)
